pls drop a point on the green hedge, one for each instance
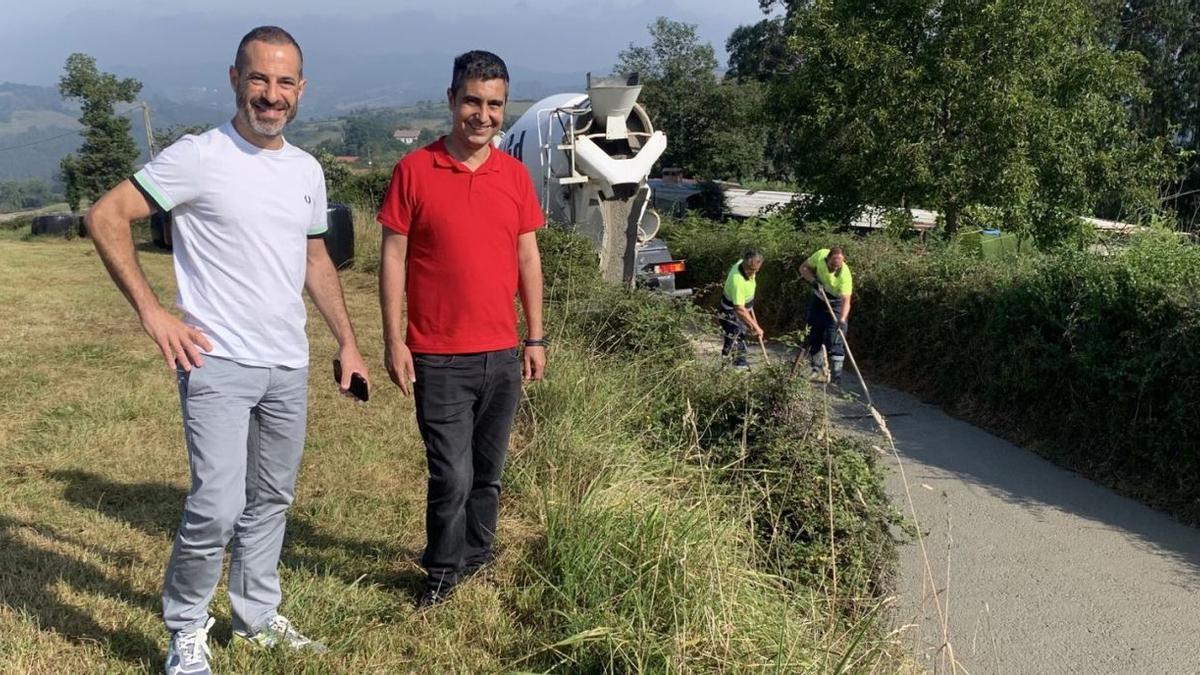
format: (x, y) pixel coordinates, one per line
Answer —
(1089, 358)
(1086, 356)
(365, 188)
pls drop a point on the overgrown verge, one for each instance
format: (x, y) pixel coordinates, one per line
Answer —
(1085, 356)
(694, 520)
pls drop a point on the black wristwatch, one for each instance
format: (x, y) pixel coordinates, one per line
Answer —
(536, 342)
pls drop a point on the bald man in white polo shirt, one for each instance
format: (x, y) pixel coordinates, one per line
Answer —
(249, 214)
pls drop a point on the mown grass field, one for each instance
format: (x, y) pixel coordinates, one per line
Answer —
(616, 556)
(94, 474)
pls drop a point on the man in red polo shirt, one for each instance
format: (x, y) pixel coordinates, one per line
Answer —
(459, 241)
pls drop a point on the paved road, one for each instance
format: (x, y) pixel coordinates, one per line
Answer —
(1042, 571)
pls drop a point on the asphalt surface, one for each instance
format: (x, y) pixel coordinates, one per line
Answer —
(1038, 569)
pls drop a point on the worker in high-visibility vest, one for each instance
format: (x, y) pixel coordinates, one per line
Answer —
(737, 307)
(826, 270)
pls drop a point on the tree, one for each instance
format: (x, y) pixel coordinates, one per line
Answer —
(336, 173)
(1007, 105)
(758, 52)
(166, 137)
(1164, 32)
(678, 75)
(31, 193)
(108, 151)
(733, 147)
(711, 126)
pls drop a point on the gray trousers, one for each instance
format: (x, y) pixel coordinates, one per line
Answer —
(244, 427)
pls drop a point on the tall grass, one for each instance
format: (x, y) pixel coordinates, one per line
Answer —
(367, 239)
(650, 559)
(688, 510)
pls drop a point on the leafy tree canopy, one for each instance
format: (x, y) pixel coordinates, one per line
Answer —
(108, 151)
(714, 128)
(1009, 105)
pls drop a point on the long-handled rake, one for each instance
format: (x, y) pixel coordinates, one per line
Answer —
(943, 612)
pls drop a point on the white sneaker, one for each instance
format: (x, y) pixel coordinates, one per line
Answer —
(279, 633)
(188, 653)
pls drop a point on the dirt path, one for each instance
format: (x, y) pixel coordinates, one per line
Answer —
(1042, 570)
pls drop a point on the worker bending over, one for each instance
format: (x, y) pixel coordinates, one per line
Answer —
(737, 307)
(827, 272)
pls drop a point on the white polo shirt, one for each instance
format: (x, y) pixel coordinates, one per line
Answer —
(242, 217)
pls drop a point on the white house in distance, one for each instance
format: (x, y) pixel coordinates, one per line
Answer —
(406, 136)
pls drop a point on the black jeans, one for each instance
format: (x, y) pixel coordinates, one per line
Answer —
(465, 409)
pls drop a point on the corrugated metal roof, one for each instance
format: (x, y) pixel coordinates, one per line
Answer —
(750, 203)
(672, 197)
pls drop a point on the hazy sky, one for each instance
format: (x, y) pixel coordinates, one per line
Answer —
(140, 36)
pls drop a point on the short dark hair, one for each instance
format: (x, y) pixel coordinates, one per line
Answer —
(477, 65)
(837, 250)
(752, 253)
(272, 35)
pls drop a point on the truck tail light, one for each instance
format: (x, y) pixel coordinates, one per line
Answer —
(673, 267)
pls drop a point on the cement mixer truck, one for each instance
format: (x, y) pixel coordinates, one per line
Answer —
(590, 156)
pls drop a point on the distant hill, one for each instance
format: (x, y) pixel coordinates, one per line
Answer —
(28, 117)
(346, 81)
(21, 97)
(37, 127)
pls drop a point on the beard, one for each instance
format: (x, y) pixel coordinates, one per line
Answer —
(247, 109)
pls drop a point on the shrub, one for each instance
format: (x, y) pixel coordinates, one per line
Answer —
(361, 188)
(569, 261)
(17, 223)
(1086, 357)
(782, 297)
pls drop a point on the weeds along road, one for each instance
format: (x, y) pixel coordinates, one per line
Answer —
(1039, 569)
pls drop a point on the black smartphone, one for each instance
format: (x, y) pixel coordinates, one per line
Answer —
(358, 385)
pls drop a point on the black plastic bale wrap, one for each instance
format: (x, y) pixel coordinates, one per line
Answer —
(339, 238)
(62, 224)
(160, 229)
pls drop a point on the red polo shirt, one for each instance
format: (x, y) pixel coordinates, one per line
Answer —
(462, 229)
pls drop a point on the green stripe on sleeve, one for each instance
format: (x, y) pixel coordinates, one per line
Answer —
(148, 186)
